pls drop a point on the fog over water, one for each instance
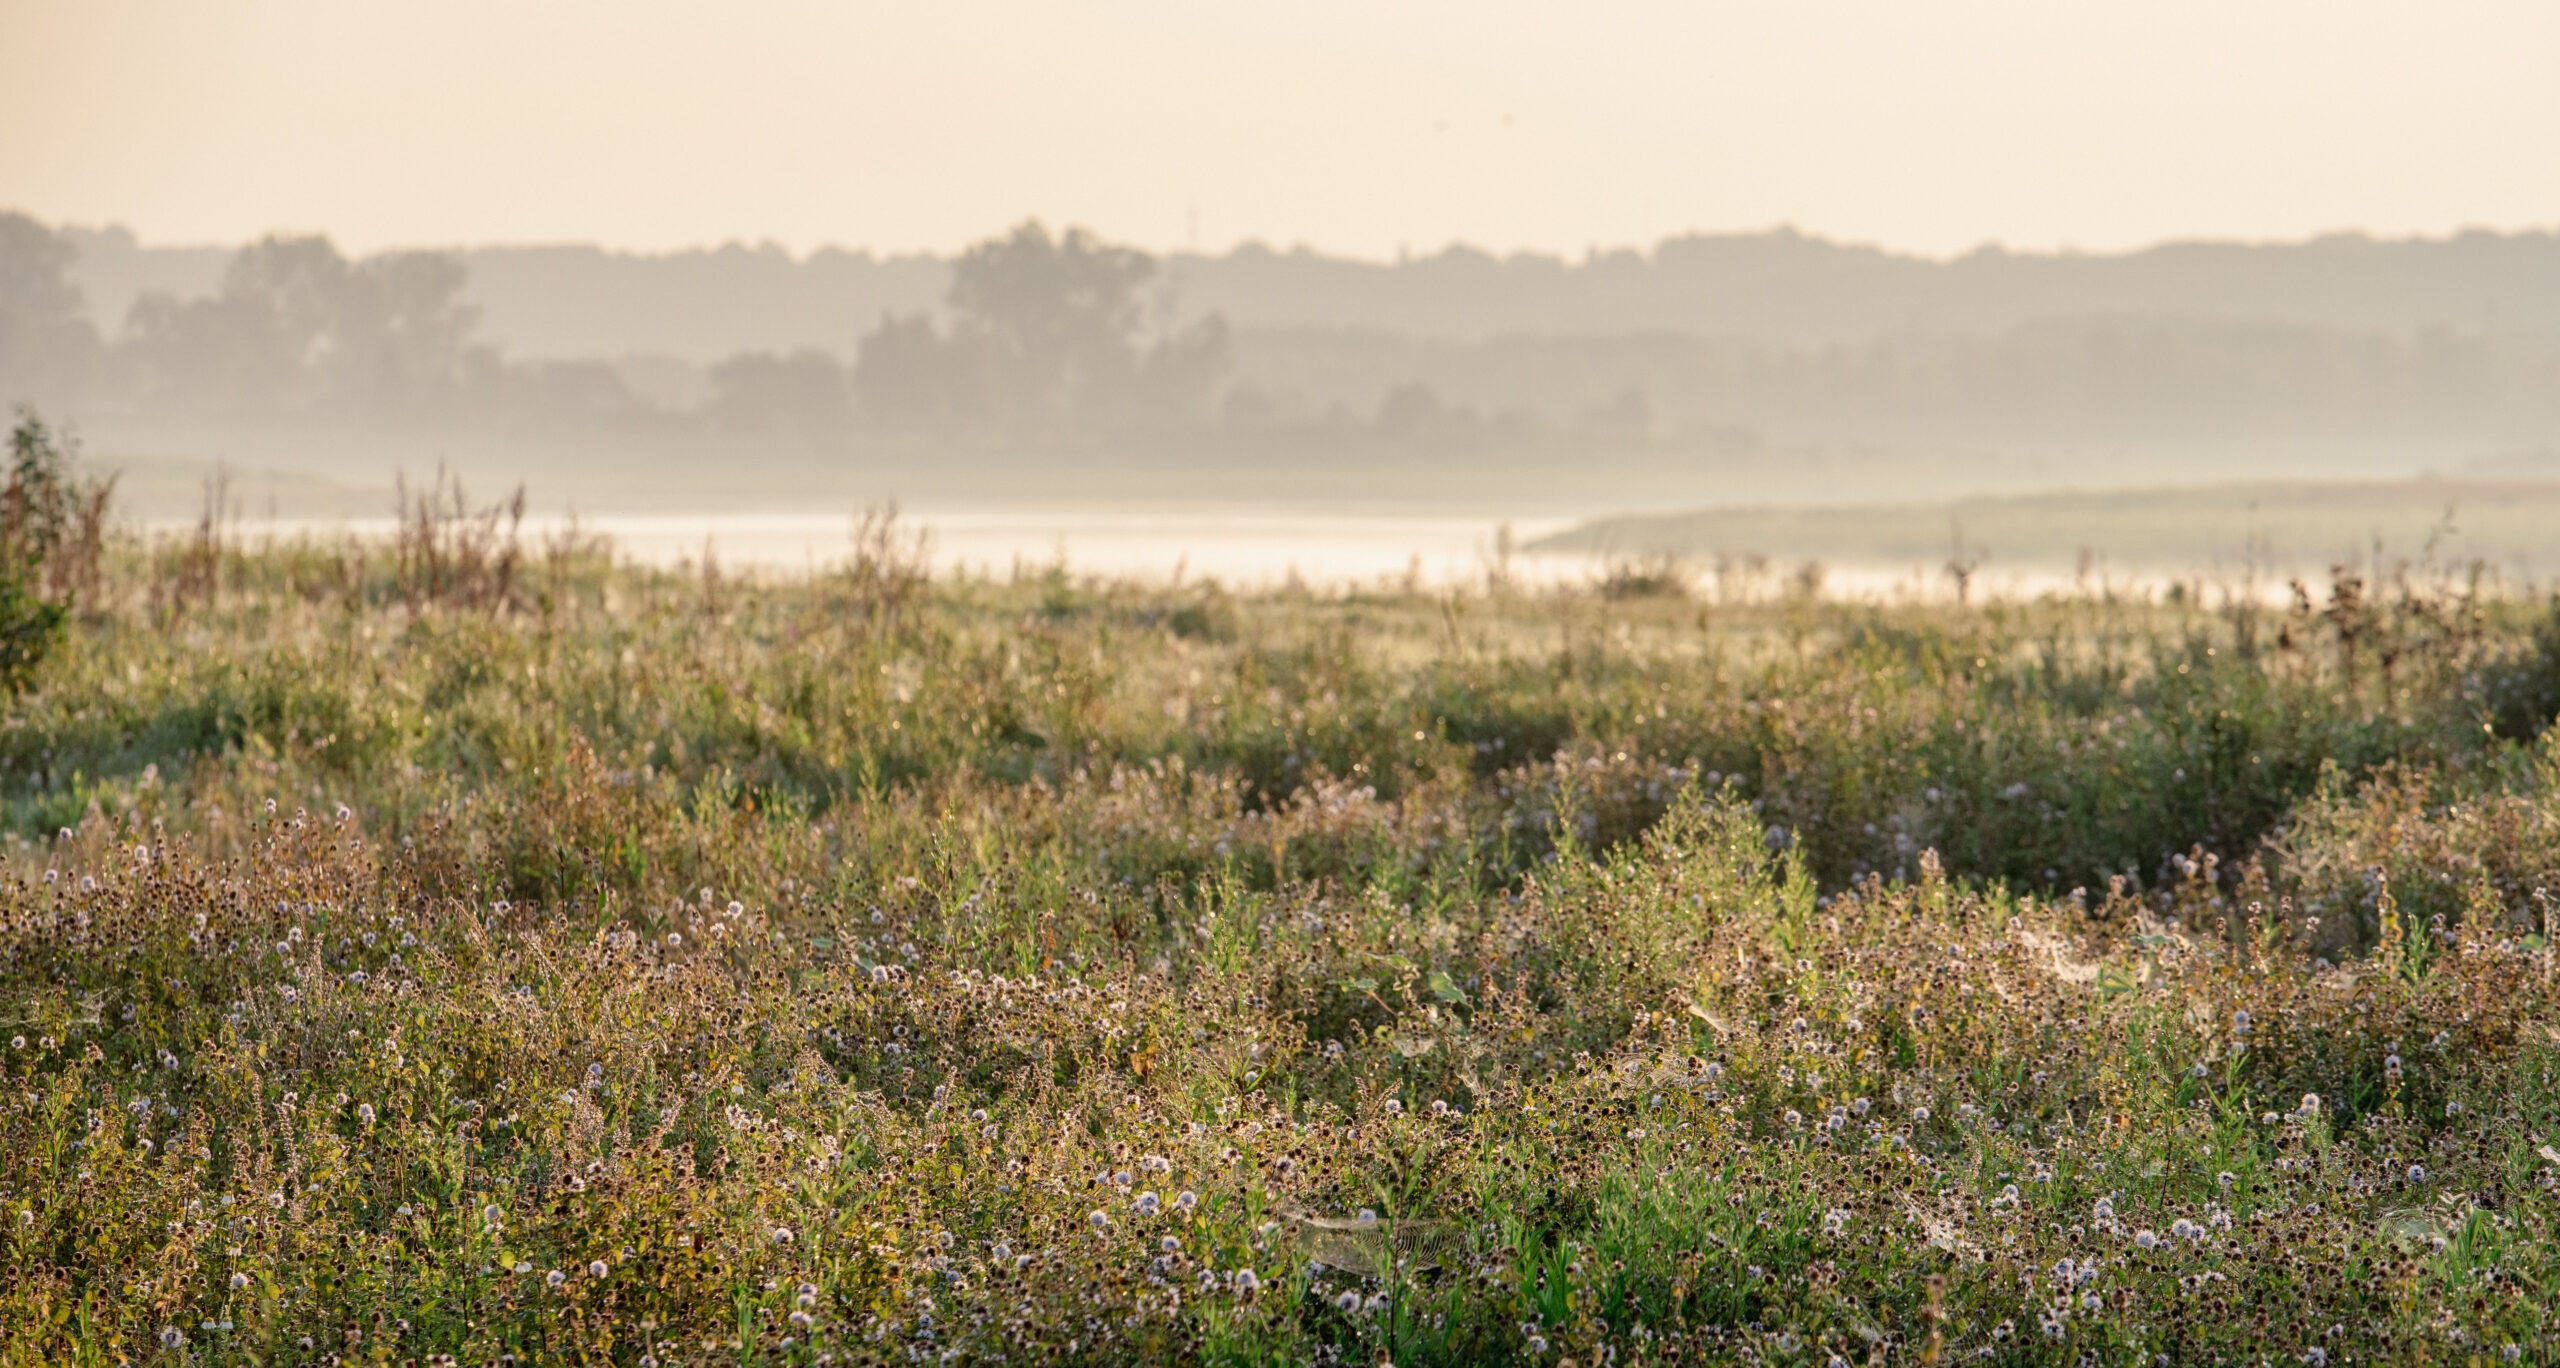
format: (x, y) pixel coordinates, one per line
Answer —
(1236, 547)
(1341, 293)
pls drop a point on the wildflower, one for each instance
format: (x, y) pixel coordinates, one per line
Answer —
(554, 1278)
(1170, 1244)
(1098, 1219)
(2417, 1173)
(2145, 1239)
(364, 1113)
(1185, 1200)
(596, 1269)
(1245, 1283)
(1348, 1302)
(238, 1281)
(1145, 1204)
(782, 1235)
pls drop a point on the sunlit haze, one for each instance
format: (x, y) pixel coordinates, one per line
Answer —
(1438, 683)
(1356, 128)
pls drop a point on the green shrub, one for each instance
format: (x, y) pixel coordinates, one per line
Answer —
(51, 536)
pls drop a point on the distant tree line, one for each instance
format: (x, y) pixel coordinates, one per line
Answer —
(1039, 330)
(1047, 333)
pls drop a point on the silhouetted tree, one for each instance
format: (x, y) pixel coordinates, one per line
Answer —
(1180, 374)
(296, 327)
(402, 335)
(1060, 315)
(48, 348)
(907, 374)
(802, 393)
(550, 394)
(1044, 329)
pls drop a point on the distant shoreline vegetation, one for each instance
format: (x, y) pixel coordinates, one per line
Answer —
(1705, 351)
(2510, 528)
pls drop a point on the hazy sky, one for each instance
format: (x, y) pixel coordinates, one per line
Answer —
(1354, 127)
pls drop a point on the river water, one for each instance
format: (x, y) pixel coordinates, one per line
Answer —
(1243, 548)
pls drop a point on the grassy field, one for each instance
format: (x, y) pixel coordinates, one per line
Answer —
(462, 951)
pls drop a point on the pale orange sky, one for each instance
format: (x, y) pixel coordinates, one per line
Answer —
(1360, 128)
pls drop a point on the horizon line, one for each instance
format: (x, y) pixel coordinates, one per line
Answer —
(1459, 247)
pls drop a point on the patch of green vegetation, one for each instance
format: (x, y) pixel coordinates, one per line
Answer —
(453, 948)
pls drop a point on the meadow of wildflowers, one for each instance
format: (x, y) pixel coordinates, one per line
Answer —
(461, 952)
